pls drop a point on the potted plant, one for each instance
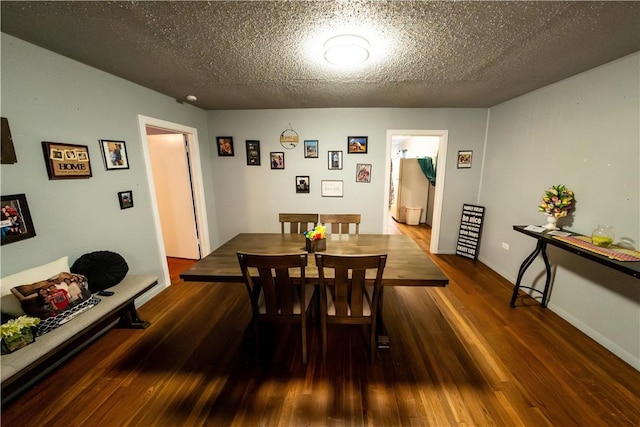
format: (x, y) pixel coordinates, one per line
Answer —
(315, 239)
(17, 333)
(556, 203)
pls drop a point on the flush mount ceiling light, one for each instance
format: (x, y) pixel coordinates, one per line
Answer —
(346, 50)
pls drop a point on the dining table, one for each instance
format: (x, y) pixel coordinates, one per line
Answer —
(407, 264)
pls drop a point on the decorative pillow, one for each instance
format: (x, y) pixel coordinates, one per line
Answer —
(103, 269)
(51, 297)
(34, 274)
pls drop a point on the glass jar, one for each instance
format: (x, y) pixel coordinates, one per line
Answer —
(603, 236)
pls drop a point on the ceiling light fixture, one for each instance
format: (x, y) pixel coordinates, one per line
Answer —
(346, 50)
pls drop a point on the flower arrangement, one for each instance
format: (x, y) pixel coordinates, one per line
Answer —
(557, 201)
(16, 333)
(317, 233)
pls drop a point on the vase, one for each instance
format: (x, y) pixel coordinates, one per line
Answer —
(316, 245)
(552, 223)
(602, 236)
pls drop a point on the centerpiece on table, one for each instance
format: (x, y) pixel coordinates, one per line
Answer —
(316, 240)
(17, 333)
(557, 201)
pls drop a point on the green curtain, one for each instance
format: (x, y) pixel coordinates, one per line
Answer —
(428, 168)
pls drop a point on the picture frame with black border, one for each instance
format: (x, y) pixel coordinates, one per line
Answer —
(66, 161)
(332, 188)
(114, 154)
(311, 148)
(277, 159)
(334, 159)
(225, 146)
(302, 184)
(253, 152)
(126, 199)
(363, 172)
(464, 159)
(357, 144)
(16, 223)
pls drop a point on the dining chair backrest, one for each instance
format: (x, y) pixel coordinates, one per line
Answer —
(341, 223)
(347, 295)
(274, 296)
(298, 222)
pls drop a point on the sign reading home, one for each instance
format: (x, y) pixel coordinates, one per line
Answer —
(66, 161)
(470, 230)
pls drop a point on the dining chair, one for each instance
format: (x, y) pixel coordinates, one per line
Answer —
(275, 298)
(340, 223)
(348, 295)
(298, 222)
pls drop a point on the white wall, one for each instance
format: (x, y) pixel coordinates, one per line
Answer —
(47, 97)
(583, 132)
(249, 198)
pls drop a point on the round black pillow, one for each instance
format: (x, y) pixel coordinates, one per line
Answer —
(102, 269)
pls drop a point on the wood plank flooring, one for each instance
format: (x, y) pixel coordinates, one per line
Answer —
(459, 356)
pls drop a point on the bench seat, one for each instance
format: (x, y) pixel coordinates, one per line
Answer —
(25, 366)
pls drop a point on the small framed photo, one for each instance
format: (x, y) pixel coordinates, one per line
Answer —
(331, 188)
(225, 146)
(335, 160)
(15, 223)
(126, 199)
(114, 154)
(311, 148)
(66, 161)
(277, 160)
(302, 184)
(253, 152)
(464, 159)
(357, 144)
(363, 172)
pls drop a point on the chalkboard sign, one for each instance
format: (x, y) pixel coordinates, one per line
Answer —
(470, 230)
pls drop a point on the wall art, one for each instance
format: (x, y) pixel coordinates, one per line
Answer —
(15, 223)
(7, 150)
(357, 144)
(114, 154)
(225, 145)
(331, 188)
(335, 160)
(126, 199)
(464, 159)
(302, 184)
(277, 160)
(363, 172)
(311, 148)
(253, 152)
(66, 161)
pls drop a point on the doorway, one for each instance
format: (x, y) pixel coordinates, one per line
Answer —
(175, 181)
(438, 191)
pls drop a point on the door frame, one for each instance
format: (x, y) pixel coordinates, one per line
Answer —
(195, 170)
(440, 171)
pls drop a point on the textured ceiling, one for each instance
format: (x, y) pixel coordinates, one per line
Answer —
(268, 54)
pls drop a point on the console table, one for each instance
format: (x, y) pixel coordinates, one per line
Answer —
(632, 268)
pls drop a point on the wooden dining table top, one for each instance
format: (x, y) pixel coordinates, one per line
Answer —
(407, 264)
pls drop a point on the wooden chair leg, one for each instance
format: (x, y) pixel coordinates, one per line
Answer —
(303, 326)
(324, 339)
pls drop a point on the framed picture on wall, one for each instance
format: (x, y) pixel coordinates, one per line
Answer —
(464, 159)
(331, 188)
(114, 154)
(311, 148)
(66, 161)
(357, 144)
(363, 172)
(335, 160)
(225, 146)
(15, 223)
(277, 160)
(253, 152)
(126, 199)
(302, 184)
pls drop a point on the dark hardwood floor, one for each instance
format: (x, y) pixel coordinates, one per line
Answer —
(459, 356)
